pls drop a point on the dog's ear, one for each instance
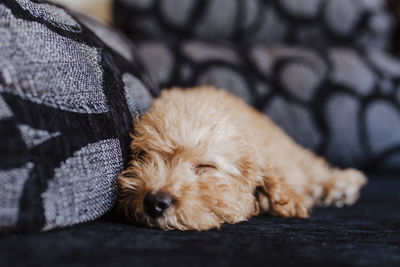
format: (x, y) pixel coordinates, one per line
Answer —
(278, 198)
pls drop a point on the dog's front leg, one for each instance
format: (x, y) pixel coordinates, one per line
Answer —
(277, 198)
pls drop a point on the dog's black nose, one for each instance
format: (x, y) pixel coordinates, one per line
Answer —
(155, 204)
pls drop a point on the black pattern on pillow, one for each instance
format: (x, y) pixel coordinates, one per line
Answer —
(67, 99)
(310, 22)
(341, 102)
(394, 6)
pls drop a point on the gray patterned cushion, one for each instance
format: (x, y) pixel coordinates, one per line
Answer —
(320, 68)
(69, 88)
(311, 22)
(341, 102)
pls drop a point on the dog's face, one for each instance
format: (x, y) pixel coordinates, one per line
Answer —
(187, 174)
(186, 190)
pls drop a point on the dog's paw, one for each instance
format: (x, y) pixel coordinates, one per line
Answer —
(344, 187)
(289, 205)
(282, 200)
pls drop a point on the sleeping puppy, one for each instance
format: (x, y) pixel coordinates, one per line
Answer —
(202, 157)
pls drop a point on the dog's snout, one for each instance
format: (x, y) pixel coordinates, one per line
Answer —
(155, 204)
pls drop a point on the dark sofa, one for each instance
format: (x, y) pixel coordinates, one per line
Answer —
(366, 234)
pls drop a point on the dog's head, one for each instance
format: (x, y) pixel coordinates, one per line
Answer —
(189, 171)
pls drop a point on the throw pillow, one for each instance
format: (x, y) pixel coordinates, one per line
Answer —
(69, 89)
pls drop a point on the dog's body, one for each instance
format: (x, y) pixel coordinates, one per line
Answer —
(202, 157)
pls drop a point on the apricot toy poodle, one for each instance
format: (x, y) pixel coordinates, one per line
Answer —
(202, 157)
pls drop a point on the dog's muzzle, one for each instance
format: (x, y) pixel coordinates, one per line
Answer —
(156, 204)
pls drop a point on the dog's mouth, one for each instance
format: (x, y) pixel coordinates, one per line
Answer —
(159, 223)
(152, 222)
(170, 220)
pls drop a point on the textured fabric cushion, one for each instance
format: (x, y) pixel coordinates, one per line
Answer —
(68, 92)
(312, 22)
(343, 103)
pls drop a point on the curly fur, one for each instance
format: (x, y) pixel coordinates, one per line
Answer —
(223, 162)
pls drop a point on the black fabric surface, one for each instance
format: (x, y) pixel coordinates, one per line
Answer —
(366, 234)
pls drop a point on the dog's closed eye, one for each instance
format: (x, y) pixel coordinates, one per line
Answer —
(200, 168)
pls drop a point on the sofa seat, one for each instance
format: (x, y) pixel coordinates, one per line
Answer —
(366, 234)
